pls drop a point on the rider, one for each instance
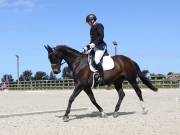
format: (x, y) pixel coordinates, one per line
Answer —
(97, 43)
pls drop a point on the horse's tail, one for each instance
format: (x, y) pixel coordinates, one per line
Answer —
(145, 80)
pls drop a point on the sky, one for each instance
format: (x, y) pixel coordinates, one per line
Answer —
(147, 31)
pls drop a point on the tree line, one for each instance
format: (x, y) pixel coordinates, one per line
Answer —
(27, 75)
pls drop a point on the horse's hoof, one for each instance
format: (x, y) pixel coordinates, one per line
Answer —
(115, 115)
(103, 115)
(66, 118)
(145, 111)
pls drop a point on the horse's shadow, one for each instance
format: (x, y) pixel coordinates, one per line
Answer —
(95, 114)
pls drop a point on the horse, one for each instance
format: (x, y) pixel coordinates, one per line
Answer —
(124, 69)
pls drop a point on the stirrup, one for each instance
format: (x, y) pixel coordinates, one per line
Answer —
(100, 80)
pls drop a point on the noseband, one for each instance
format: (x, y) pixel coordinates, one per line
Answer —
(60, 64)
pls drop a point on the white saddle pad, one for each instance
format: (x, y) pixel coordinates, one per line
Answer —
(107, 64)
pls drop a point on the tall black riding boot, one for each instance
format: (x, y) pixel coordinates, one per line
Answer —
(101, 73)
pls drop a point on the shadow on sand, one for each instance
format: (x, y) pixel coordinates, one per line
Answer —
(72, 117)
(95, 114)
(37, 113)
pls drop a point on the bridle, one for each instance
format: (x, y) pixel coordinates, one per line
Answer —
(63, 63)
(60, 64)
(56, 64)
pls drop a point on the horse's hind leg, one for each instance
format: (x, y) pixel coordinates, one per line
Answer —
(139, 94)
(90, 94)
(121, 94)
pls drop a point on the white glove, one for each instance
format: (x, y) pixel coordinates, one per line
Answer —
(88, 48)
(85, 48)
(92, 45)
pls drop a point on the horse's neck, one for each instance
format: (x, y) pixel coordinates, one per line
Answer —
(72, 59)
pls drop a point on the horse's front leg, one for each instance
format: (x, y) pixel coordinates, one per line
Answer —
(75, 93)
(93, 100)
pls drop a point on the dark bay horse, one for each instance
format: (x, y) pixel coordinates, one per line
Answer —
(125, 69)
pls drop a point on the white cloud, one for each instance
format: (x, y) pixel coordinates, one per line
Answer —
(26, 5)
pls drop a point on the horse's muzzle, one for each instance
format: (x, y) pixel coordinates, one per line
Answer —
(56, 72)
(56, 69)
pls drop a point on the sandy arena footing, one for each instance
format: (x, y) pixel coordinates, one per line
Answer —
(41, 112)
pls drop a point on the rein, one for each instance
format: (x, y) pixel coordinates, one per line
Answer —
(63, 63)
(60, 64)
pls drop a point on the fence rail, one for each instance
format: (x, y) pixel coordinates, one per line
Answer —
(69, 84)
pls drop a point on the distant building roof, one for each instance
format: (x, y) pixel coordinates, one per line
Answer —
(158, 77)
(173, 77)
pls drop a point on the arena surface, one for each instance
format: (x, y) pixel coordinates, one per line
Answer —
(41, 112)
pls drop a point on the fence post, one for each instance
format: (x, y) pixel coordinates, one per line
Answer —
(31, 84)
(69, 84)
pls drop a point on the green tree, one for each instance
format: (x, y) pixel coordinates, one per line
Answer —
(67, 73)
(40, 75)
(145, 72)
(7, 78)
(52, 76)
(170, 73)
(26, 76)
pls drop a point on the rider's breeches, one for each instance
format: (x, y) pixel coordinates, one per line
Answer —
(98, 56)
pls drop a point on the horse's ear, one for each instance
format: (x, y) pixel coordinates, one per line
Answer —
(48, 48)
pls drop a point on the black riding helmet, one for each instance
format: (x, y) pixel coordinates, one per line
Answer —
(91, 17)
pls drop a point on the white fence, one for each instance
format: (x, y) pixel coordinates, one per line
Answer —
(69, 84)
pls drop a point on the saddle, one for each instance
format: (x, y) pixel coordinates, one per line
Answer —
(106, 61)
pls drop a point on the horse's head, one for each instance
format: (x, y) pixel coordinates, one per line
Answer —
(55, 59)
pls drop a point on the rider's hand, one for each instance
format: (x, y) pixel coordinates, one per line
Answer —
(91, 45)
(85, 48)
